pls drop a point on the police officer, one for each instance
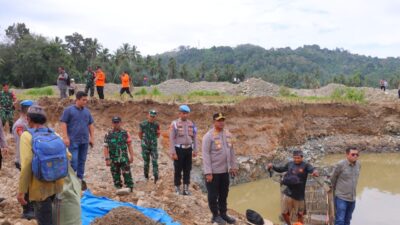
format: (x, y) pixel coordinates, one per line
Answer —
(117, 143)
(182, 148)
(148, 134)
(19, 127)
(7, 101)
(219, 161)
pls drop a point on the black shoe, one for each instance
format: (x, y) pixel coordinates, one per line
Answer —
(186, 189)
(155, 179)
(2, 199)
(83, 184)
(228, 219)
(30, 215)
(146, 176)
(218, 220)
(178, 190)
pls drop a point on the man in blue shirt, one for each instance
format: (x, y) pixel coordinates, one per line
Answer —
(78, 130)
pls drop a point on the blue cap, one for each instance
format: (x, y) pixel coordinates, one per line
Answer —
(26, 103)
(184, 108)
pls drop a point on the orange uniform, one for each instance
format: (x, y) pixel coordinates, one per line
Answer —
(100, 78)
(125, 80)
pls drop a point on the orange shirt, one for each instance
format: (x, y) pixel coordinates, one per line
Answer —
(125, 80)
(100, 78)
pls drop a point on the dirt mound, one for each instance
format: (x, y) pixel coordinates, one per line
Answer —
(174, 86)
(257, 87)
(125, 216)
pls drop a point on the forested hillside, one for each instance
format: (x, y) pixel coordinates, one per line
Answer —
(31, 60)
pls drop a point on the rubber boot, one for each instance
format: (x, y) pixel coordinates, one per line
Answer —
(186, 189)
(228, 219)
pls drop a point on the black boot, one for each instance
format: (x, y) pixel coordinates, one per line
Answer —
(186, 189)
(218, 219)
(155, 179)
(228, 219)
(28, 211)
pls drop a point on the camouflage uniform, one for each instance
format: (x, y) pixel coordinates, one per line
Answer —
(90, 82)
(150, 132)
(117, 142)
(7, 108)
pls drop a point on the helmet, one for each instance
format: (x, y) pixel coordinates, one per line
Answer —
(26, 103)
(184, 108)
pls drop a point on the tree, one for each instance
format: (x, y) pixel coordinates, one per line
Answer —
(17, 31)
(171, 68)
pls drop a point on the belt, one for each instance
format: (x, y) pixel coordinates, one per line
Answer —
(183, 146)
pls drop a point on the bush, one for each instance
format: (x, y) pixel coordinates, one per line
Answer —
(45, 91)
(204, 93)
(285, 92)
(348, 94)
(155, 92)
(142, 91)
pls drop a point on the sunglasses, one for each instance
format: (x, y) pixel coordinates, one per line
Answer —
(355, 154)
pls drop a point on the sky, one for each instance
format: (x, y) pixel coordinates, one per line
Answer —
(365, 27)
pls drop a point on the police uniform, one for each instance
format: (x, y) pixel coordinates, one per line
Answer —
(7, 108)
(117, 142)
(149, 133)
(182, 143)
(218, 160)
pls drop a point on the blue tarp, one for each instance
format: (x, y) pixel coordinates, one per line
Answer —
(95, 206)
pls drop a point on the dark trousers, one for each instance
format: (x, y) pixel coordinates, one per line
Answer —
(398, 92)
(218, 190)
(100, 91)
(344, 211)
(71, 92)
(44, 211)
(89, 88)
(1, 157)
(125, 90)
(183, 164)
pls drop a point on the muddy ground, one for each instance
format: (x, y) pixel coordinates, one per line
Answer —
(263, 128)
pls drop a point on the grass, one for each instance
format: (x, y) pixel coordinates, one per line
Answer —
(285, 92)
(204, 93)
(349, 94)
(44, 91)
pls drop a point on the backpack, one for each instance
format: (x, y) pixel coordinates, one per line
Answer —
(68, 81)
(291, 178)
(49, 162)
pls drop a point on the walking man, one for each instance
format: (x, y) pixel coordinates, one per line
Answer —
(19, 127)
(7, 101)
(182, 139)
(125, 84)
(100, 82)
(149, 133)
(90, 76)
(295, 181)
(117, 144)
(41, 193)
(219, 161)
(78, 133)
(62, 82)
(344, 183)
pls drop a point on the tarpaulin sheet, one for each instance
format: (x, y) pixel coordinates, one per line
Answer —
(95, 206)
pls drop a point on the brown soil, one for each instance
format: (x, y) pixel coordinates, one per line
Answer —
(124, 215)
(260, 126)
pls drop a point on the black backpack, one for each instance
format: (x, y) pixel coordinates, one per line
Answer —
(68, 81)
(254, 218)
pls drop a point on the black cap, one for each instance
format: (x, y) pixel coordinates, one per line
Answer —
(218, 116)
(298, 153)
(116, 119)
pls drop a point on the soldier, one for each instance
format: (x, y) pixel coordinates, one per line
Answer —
(19, 127)
(219, 161)
(149, 133)
(7, 101)
(90, 76)
(182, 139)
(117, 143)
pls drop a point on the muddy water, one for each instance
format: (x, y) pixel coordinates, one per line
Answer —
(378, 192)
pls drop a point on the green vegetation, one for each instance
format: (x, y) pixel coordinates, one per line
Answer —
(142, 91)
(349, 94)
(285, 92)
(155, 92)
(31, 60)
(204, 93)
(45, 91)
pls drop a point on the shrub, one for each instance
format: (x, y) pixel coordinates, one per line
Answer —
(44, 91)
(142, 91)
(349, 94)
(155, 92)
(285, 92)
(204, 93)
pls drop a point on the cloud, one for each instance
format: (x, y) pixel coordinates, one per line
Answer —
(156, 26)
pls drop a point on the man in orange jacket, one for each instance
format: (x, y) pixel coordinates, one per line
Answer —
(100, 81)
(125, 82)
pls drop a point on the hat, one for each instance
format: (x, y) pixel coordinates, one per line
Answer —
(218, 116)
(36, 109)
(72, 79)
(26, 103)
(116, 119)
(298, 153)
(152, 112)
(184, 108)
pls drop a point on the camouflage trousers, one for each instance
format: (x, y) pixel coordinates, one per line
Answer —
(91, 88)
(121, 167)
(7, 115)
(147, 153)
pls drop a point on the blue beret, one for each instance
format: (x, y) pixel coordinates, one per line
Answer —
(184, 108)
(26, 103)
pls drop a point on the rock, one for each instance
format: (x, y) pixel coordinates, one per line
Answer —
(1, 215)
(123, 191)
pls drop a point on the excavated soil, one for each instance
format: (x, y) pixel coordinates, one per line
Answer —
(261, 126)
(125, 216)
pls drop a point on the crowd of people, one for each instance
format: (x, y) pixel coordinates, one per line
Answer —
(43, 180)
